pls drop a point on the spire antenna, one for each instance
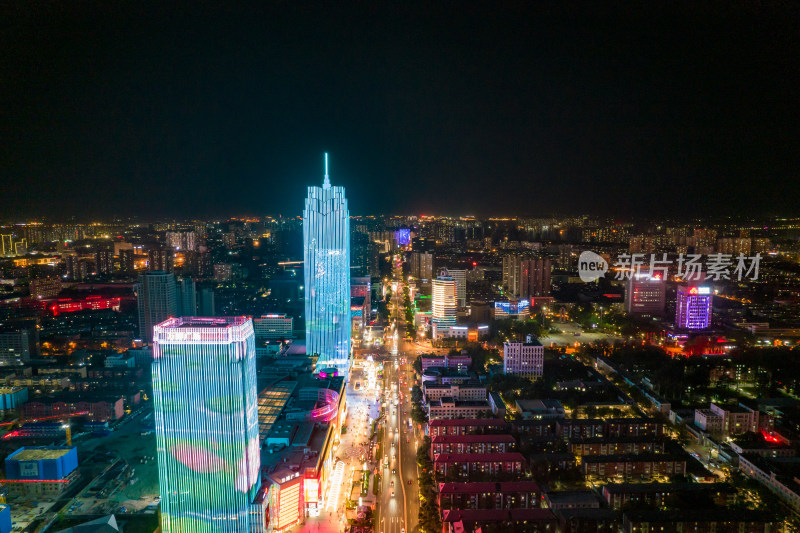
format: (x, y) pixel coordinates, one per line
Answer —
(327, 183)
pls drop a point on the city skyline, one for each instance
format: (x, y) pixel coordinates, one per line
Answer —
(337, 267)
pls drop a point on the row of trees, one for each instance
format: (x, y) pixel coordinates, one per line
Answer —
(429, 519)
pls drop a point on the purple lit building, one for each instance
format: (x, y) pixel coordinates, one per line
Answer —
(403, 237)
(693, 307)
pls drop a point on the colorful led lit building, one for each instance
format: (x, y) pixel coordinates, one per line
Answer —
(693, 307)
(206, 419)
(326, 252)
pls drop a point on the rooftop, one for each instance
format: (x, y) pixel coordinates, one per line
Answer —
(668, 487)
(477, 457)
(701, 515)
(446, 439)
(468, 422)
(567, 496)
(464, 385)
(631, 458)
(488, 486)
(40, 453)
(496, 515)
(612, 440)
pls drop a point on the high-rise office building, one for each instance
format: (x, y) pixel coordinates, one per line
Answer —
(187, 297)
(693, 307)
(206, 421)
(326, 254)
(157, 295)
(645, 294)
(205, 302)
(444, 305)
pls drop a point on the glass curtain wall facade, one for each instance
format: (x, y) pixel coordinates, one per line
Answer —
(206, 420)
(326, 254)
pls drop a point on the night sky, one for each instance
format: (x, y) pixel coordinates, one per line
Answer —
(146, 108)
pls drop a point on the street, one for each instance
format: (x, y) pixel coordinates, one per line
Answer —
(398, 504)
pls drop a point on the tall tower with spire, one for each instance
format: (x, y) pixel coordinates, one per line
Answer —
(326, 255)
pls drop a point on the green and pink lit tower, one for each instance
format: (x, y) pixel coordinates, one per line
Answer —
(206, 421)
(326, 254)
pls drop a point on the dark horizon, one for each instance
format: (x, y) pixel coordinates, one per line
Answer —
(673, 110)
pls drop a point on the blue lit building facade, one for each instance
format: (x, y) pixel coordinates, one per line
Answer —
(326, 254)
(206, 421)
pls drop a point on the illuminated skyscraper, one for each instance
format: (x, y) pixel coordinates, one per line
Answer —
(693, 307)
(326, 254)
(206, 420)
(444, 304)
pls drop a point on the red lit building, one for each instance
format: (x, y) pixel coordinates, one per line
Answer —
(93, 303)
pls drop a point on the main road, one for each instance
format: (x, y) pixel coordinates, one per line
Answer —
(398, 505)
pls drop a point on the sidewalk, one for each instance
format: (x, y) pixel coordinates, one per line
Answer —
(327, 522)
